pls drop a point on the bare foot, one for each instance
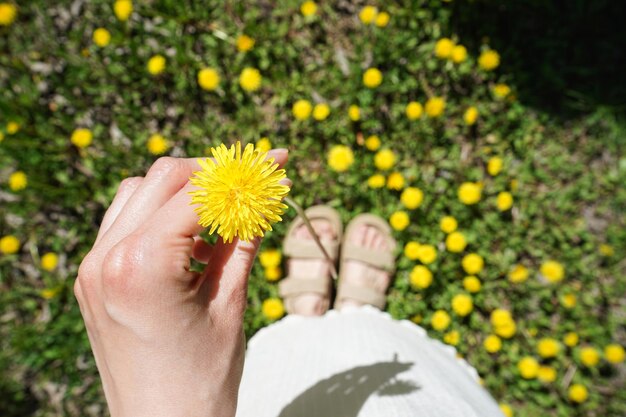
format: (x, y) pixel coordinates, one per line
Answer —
(312, 304)
(361, 274)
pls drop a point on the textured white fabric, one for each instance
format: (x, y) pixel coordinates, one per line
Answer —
(357, 362)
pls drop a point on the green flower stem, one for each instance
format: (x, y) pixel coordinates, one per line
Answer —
(316, 238)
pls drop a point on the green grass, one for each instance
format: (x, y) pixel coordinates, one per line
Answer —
(568, 201)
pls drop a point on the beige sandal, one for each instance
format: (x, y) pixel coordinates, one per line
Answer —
(295, 285)
(379, 259)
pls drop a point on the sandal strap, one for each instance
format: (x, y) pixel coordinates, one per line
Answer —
(381, 259)
(363, 294)
(292, 286)
(308, 249)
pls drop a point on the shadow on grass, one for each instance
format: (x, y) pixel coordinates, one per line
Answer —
(566, 56)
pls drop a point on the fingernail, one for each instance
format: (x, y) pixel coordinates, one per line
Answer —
(282, 151)
(287, 182)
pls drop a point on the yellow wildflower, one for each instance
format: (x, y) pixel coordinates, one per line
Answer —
(589, 356)
(528, 367)
(577, 393)
(382, 19)
(448, 224)
(157, 144)
(452, 338)
(240, 192)
(13, 128)
(244, 43)
(8, 12)
(208, 79)
(372, 143)
(501, 90)
(395, 181)
(552, 271)
(469, 193)
(472, 263)
(9, 244)
(492, 343)
(49, 261)
(308, 8)
(435, 106)
(571, 339)
(546, 374)
(548, 347)
(518, 274)
(301, 109)
(470, 116)
(412, 198)
(101, 37)
(444, 48)
(471, 284)
(18, 181)
(399, 220)
(494, 166)
(440, 320)
(421, 277)
(568, 300)
(340, 158)
(354, 113)
(506, 410)
(264, 144)
(455, 242)
(321, 111)
(462, 304)
(270, 258)
(614, 353)
(372, 78)
(459, 54)
(156, 64)
(384, 159)
(273, 308)
(489, 60)
(426, 254)
(411, 250)
(368, 14)
(413, 110)
(504, 201)
(376, 181)
(273, 273)
(604, 249)
(123, 9)
(250, 79)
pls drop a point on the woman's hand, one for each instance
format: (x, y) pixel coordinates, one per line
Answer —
(167, 341)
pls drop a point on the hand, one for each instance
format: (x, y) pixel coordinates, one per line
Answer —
(167, 341)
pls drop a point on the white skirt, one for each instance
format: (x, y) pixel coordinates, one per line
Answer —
(357, 362)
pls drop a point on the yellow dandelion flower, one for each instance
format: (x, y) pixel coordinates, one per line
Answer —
(399, 220)
(444, 48)
(308, 8)
(462, 304)
(435, 106)
(552, 271)
(459, 54)
(448, 224)
(455, 242)
(368, 14)
(240, 192)
(614, 353)
(49, 261)
(470, 116)
(9, 244)
(372, 143)
(546, 374)
(321, 111)
(440, 320)
(426, 254)
(395, 181)
(472, 263)
(589, 356)
(506, 410)
(273, 273)
(570, 339)
(372, 78)
(81, 138)
(471, 284)
(264, 145)
(577, 393)
(569, 300)
(384, 159)
(13, 128)
(420, 277)
(208, 79)
(548, 347)
(528, 367)
(273, 308)
(469, 193)
(302, 109)
(8, 12)
(489, 60)
(244, 43)
(382, 19)
(250, 79)
(518, 274)
(157, 144)
(452, 338)
(413, 110)
(604, 249)
(18, 181)
(494, 166)
(156, 64)
(501, 90)
(123, 9)
(411, 250)
(492, 343)
(354, 113)
(504, 201)
(101, 37)
(50, 293)
(270, 258)
(340, 158)
(376, 181)
(412, 198)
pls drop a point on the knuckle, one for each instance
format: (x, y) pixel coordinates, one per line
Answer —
(130, 183)
(122, 266)
(87, 274)
(164, 166)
